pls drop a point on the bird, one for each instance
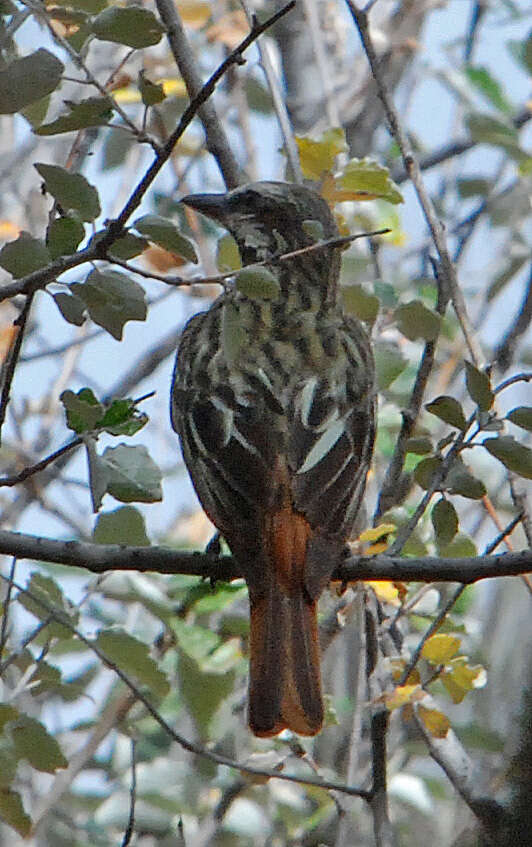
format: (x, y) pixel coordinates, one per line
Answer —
(273, 398)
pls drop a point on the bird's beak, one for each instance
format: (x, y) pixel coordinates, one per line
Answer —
(212, 205)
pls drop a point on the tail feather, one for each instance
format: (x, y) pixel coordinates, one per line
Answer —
(285, 684)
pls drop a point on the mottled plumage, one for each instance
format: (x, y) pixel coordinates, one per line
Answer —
(274, 403)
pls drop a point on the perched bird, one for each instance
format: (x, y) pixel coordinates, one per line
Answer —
(273, 399)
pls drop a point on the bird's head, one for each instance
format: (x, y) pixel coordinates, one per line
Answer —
(269, 217)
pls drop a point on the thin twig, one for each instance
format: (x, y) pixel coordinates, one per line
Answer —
(455, 148)
(279, 102)
(128, 834)
(360, 18)
(40, 278)
(15, 479)
(215, 137)
(190, 746)
(391, 489)
(13, 357)
(219, 279)
(5, 607)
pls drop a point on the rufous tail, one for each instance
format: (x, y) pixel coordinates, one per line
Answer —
(285, 684)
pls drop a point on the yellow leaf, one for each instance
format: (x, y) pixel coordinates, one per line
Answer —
(173, 86)
(459, 678)
(317, 156)
(440, 649)
(129, 94)
(434, 721)
(385, 591)
(397, 667)
(402, 695)
(376, 533)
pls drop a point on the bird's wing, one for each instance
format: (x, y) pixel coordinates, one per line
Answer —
(229, 435)
(332, 428)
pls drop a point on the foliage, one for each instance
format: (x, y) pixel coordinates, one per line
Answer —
(97, 265)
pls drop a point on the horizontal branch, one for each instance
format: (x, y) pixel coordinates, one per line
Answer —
(99, 558)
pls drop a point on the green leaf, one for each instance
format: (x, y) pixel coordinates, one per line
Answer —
(64, 236)
(420, 445)
(99, 473)
(46, 589)
(151, 92)
(227, 254)
(258, 283)
(71, 190)
(8, 767)
(23, 81)
(202, 692)
(7, 713)
(133, 475)
(125, 525)
(133, 657)
(460, 481)
(122, 418)
(473, 187)
(94, 111)
(445, 521)
(522, 52)
(34, 743)
(462, 546)
(415, 320)
(489, 87)
(521, 416)
(449, 410)
(233, 333)
(71, 307)
(368, 177)
(133, 26)
(198, 642)
(425, 470)
(479, 387)
(111, 300)
(513, 455)
(213, 600)
(36, 112)
(83, 411)
(128, 246)
(359, 302)
(258, 96)
(389, 364)
(518, 256)
(25, 255)
(12, 812)
(485, 129)
(165, 233)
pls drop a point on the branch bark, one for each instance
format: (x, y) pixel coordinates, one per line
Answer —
(100, 558)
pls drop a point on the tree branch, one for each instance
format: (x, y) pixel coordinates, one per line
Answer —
(99, 558)
(360, 18)
(115, 228)
(216, 140)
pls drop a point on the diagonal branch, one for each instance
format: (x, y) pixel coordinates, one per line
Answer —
(216, 140)
(360, 18)
(115, 228)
